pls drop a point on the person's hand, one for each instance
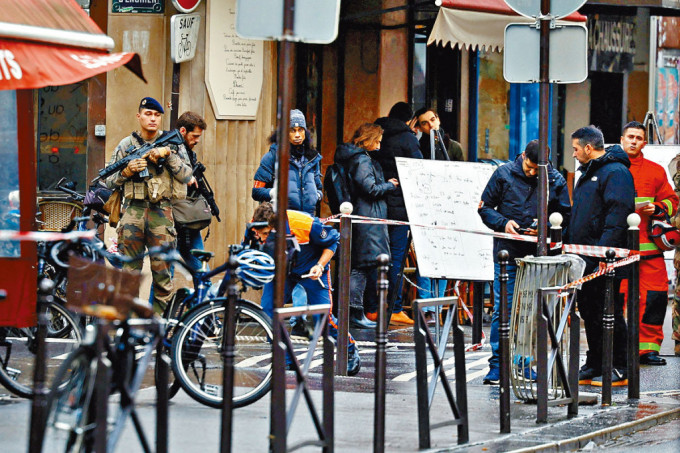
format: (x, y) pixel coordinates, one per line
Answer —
(531, 232)
(647, 210)
(158, 153)
(193, 182)
(511, 227)
(394, 181)
(316, 271)
(134, 166)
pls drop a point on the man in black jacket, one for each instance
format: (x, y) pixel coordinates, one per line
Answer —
(604, 196)
(427, 121)
(398, 141)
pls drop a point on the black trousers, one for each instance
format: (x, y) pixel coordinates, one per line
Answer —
(590, 300)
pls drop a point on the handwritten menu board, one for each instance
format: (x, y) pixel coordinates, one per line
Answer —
(234, 66)
(439, 194)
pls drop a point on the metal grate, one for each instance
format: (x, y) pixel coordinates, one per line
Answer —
(55, 215)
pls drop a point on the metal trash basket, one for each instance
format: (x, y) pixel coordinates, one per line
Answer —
(534, 273)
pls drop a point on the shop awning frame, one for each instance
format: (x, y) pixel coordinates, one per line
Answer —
(477, 24)
(54, 42)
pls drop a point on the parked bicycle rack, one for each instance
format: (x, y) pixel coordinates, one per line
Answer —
(426, 387)
(282, 417)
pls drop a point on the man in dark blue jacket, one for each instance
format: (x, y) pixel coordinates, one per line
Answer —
(604, 196)
(510, 205)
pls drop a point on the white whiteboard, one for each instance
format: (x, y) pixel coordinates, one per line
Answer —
(440, 193)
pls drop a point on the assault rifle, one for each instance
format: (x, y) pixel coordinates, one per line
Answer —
(205, 189)
(169, 138)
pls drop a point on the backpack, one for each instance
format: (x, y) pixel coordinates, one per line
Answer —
(337, 187)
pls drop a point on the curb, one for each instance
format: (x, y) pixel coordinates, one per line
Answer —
(576, 443)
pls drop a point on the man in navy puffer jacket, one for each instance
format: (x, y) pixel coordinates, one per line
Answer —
(604, 196)
(510, 205)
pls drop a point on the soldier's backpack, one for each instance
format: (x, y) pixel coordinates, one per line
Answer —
(337, 186)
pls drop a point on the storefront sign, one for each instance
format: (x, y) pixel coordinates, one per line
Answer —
(234, 66)
(611, 43)
(138, 6)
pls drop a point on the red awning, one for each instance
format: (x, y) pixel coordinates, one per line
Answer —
(54, 42)
(478, 23)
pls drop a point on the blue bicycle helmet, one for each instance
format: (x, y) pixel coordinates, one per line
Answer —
(256, 268)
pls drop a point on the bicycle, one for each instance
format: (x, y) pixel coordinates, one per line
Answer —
(76, 419)
(195, 328)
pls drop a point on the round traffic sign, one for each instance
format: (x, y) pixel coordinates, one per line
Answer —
(185, 6)
(532, 8)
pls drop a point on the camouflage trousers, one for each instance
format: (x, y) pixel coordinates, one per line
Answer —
(143, 227)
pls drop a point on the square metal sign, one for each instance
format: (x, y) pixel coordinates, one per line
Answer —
(568, 53)
(184, 36)
(316, 21)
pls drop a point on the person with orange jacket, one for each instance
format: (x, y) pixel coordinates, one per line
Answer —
(652, 187)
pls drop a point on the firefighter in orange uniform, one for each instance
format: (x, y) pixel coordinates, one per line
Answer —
(651, 186)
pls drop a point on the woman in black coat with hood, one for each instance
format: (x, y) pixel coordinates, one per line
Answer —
(369, 192)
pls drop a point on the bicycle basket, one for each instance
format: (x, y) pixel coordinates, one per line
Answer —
(93, 285)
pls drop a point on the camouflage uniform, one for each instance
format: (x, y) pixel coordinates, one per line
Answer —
(147, 219)
(675, 171)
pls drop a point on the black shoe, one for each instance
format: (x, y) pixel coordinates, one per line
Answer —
(586, 374)
(353, 362)
(619, 379)
(652, 358)
(358, 320)
(301, 329)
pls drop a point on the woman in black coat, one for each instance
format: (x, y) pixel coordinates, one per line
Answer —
(369, 192)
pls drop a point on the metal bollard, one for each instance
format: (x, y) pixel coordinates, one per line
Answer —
(162, 391)
(634, 310)
(344, 268)
(477, 311)
(555, 233)
(381, 356)
(40, 390)
(228, 354)
(608, 332)
(504, 343)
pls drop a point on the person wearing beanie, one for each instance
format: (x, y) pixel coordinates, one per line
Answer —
(304, 187)
(398, 141)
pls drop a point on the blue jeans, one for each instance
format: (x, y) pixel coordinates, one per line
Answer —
(187, 240)
(316, 295)
(496, 316)
(427, 291)
(398, 242)
(299, 296)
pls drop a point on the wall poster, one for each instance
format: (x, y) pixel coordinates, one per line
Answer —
(234, 66)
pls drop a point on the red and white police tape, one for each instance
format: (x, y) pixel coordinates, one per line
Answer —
(38, 236)
(586, 250)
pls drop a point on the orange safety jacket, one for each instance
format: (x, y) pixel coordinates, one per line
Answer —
(651, 184)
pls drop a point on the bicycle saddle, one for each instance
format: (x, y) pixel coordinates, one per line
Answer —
(202, 255)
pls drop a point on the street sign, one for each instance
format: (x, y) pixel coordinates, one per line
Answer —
(532, 8)
(184, 36)
(316, 21)
(185, 6)
(568, 54)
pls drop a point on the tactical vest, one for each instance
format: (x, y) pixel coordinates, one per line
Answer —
(161, 185)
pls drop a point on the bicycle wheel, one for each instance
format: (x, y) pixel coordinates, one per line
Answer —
(70, 420)
(18, 347)
(197, 354)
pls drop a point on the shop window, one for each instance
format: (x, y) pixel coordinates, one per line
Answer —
(493, 131)
(9, 171)
(419, 81)
(62, 135)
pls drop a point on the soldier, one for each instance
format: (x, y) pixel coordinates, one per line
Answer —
(147, 219)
